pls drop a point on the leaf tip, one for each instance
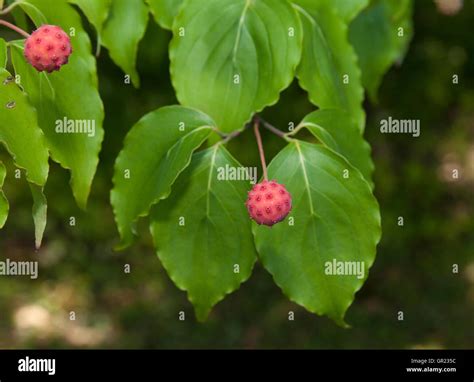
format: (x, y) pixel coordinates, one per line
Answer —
(202, 313)
(80, 197)
(38, 242)
(122, 245)
(342, 323)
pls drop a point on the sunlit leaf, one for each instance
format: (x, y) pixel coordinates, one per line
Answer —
(231, 58)
(68, 98)
(202, 231)
(164, 11)
(329, 69)
(335, 129)
(4, 207)
(156, 150)
(347, 9)
(381, 35)
(40, 210)
(96, 11)
(122, 33)
(3, 53)
(19, 131)
(335, 220)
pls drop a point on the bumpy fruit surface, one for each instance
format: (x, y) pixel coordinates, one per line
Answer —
(268, 203)
(48, 48)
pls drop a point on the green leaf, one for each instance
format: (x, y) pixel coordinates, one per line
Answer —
(164, 11)
(69, 95)
(347, 9)
(4, 208)
(375, 37)
(235, 56)
(19, 131)
(336, 130)
(122, 33)
(33, 12)
(3, 54)
(328, 68)
(20, 18)
(157, 149)
(202, 231)
(40, 209)
(96, 11)
(335, 218)
(23, 138)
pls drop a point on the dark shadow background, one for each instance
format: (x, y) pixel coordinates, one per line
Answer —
(413, 272)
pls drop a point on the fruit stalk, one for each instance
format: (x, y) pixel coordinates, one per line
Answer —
(14, 28)
(256, 127)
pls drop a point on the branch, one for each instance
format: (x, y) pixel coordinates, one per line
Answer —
(273, 129)
(296, 130)
(229, 137)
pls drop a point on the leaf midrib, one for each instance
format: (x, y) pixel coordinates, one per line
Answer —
(306, 179)
(239, 30)
(209, 180)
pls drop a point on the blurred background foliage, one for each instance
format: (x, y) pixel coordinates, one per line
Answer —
(413, 273)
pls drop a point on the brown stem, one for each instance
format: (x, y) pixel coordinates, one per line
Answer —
(14, 28)
(273, 129)
(256, 127)
(231, 136)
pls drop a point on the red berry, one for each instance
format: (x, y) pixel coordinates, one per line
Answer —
(268, 203)
(48, 48)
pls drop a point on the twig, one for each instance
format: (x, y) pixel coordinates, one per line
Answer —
(228, 137)
(296, 130)
(218, 132)
(272, 128)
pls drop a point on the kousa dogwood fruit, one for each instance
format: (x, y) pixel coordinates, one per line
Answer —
(48, 48)
(268, 203)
